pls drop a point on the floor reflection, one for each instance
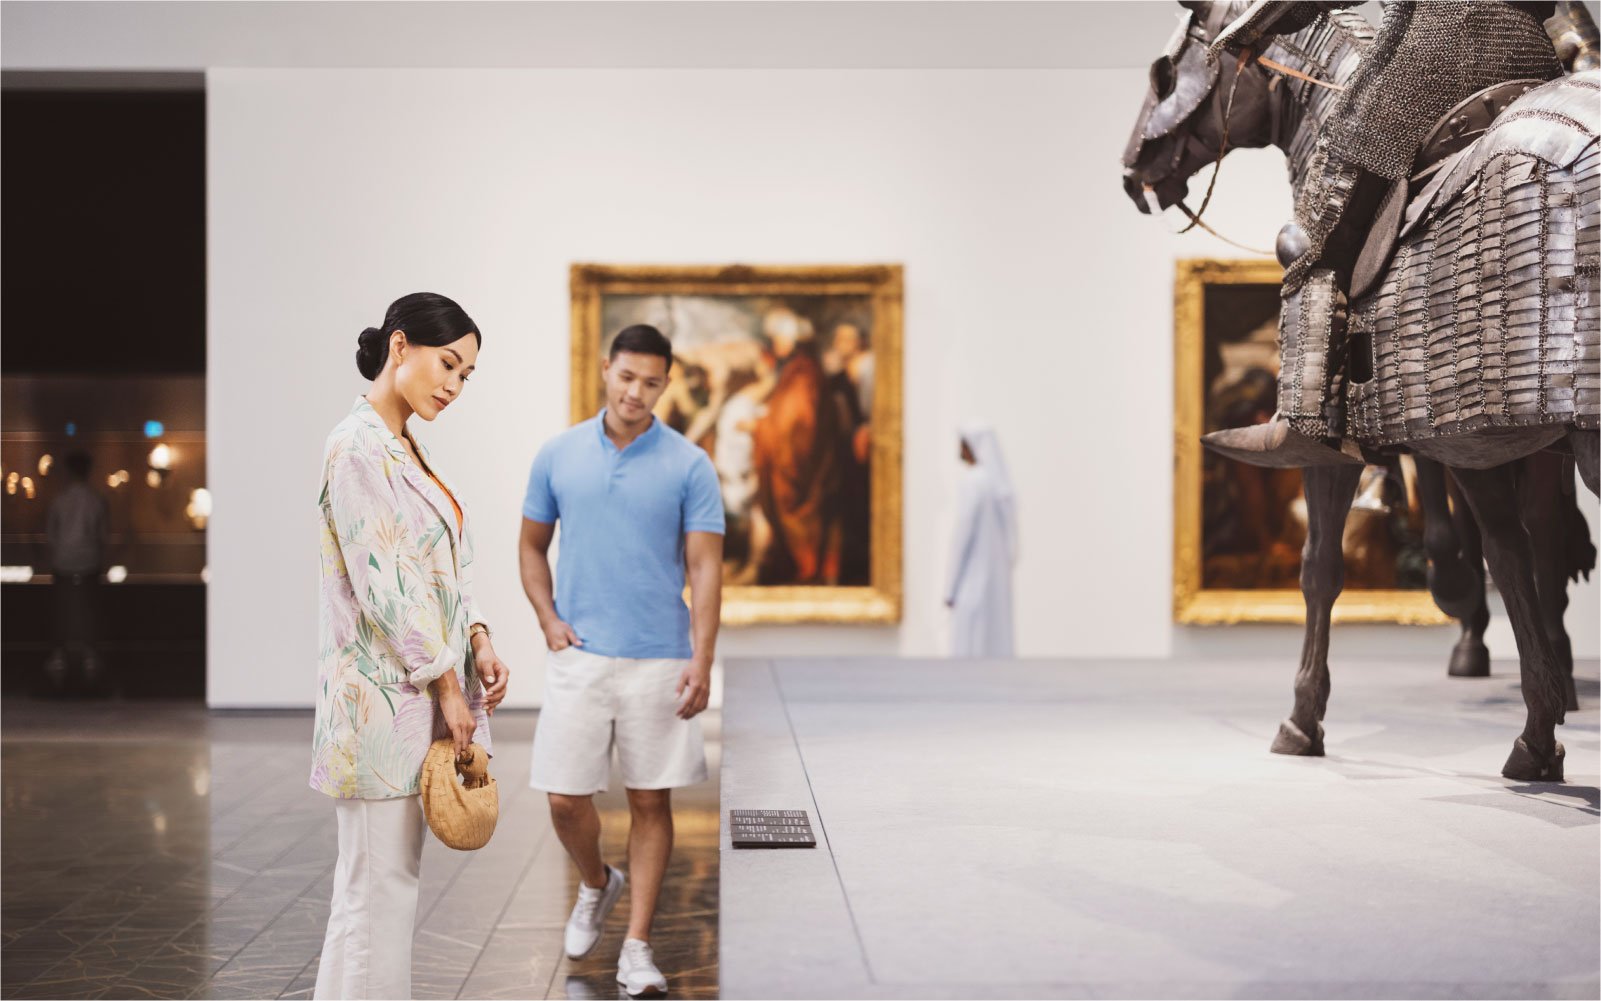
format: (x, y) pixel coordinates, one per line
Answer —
(685, 934)
(156, 850)
(106, 836)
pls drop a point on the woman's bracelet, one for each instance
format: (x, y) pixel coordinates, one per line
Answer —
(477, 627)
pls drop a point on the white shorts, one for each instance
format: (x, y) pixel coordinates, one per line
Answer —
(594, 702)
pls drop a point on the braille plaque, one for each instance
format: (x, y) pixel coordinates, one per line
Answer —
(771, 829)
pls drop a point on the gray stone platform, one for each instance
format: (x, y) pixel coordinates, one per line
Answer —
(1115, 829)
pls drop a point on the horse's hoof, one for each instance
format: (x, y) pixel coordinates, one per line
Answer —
(1525, 766)
(1293, 740)
(1470, 659)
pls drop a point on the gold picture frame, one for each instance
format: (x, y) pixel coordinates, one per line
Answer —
(876, 291)
(1197, 601)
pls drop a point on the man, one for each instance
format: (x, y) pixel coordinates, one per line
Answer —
(629, 664)
(75, 531)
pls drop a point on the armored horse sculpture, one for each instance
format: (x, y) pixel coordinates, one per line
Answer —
(1441, 285)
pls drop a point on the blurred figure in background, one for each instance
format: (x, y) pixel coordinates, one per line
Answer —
(75, 533)
(734, 455)
(857, 362)
(979, 588)
(795, 451)
(847, 363)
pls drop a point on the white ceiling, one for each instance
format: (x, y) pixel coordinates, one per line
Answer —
(165, 36)
(184, 37)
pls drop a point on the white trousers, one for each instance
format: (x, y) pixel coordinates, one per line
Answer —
(367, 950)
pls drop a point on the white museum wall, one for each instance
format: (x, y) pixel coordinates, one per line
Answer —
(1036, 298)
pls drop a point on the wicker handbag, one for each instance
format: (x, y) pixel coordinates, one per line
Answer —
(461, 811)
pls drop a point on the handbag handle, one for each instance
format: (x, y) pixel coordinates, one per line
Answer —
(473, 769)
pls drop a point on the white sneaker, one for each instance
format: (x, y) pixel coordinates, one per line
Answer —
(636, 971)
(589, 913)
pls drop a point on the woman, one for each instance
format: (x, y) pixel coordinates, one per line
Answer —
(405, 653)
(979, 590)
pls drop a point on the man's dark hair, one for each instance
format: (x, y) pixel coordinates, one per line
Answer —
(77, 464)
(642, 339)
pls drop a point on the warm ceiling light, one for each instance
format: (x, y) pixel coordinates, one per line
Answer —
(161, 458)
(45, 462)
(199, 509)
(12, 481)
(27, 486)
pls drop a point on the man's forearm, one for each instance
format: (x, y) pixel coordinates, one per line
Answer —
(706, 608)
(537, 585)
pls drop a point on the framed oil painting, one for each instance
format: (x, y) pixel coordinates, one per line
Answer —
(1238, 529)
(790, 379)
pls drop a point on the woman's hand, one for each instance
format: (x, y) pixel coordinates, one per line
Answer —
(492, 670)
(453, 707)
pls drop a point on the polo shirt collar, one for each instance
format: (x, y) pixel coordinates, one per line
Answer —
(647, 436)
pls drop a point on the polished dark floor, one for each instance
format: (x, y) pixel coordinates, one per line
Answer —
(158, 850)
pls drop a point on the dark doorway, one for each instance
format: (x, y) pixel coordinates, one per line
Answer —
(103, 358)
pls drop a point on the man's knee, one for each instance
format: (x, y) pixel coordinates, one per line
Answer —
(650, 802)
(569, 809)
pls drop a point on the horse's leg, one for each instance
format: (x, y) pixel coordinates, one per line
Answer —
(1492, 493)
(1456, 584)
(1329, 490)
(1543, 498)
(1586, 447)
(1471, 659)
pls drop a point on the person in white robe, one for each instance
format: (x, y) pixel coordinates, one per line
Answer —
(979, 587)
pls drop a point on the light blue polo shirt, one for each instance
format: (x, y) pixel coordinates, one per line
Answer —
(623, 516)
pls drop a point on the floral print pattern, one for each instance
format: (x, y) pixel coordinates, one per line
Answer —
(396, 604)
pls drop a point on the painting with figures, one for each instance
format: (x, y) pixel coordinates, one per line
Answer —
(788, 378)
(1239, 528)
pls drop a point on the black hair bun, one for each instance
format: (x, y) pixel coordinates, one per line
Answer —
(370, 354)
